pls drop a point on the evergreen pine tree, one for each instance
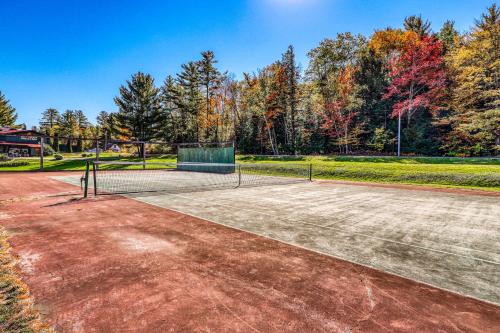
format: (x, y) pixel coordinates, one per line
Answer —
(8, 114)
(139, 107)
(417, 25)
(191, 99)
(210, 79)
(448, 36)
(292, 73)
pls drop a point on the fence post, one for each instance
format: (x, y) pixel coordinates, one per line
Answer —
(41, 153)
(239, 175)
(310, 171)
(94, 176)
(143, 148)
(86, 188)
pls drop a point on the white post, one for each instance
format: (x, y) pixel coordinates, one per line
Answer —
(399, 134)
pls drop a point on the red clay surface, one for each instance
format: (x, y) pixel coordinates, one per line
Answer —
(115, 265)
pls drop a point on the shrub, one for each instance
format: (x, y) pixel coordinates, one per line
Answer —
(4, 158)
(157, 148)
(381, 140)
(48, 150)
(58, 157)
(14, 163)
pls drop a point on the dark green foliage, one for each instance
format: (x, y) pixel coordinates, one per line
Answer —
(448, 35)
(8, 114)
(50, 121)
(292, 77)
(210, 79)
(417, 25)
(139, 107)
(375, 111)
(189, 101)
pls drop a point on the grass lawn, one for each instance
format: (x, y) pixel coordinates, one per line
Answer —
(481, 173)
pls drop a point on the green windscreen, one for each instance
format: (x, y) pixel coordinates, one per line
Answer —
(223, 155)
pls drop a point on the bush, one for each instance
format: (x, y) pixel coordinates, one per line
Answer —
(58, 157)
(381, 139)
(157, 148)
(87, 155)
(4, 158)
(48, 150)
(14, 163)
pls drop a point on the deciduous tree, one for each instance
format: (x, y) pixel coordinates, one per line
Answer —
(418, 80)
(476, 95)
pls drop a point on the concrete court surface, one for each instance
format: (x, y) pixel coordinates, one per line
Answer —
(447, 240)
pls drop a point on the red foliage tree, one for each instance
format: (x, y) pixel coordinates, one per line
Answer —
(418, 79)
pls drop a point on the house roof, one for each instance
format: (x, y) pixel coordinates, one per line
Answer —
(17, 132)
(30, 145)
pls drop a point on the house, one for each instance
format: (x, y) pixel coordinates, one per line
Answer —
(19, 142)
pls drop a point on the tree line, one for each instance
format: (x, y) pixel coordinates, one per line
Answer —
(405, 89)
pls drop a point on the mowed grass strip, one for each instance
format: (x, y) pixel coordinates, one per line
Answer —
(71, 162)
(16, 307)
(480, 173)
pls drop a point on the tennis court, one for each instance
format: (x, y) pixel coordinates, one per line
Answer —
(279, 254)
(424, 236)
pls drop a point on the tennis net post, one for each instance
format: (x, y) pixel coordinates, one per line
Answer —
(86, 179)
(94, 177)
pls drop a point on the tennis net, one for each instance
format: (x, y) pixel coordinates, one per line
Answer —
(117, 177)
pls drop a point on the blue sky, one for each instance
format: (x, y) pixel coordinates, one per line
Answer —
(75, 54)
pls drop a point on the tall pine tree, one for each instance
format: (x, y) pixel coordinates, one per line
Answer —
(292, 73)
(139, 107)
(210, 79)
(190, 102)
(8, 114)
